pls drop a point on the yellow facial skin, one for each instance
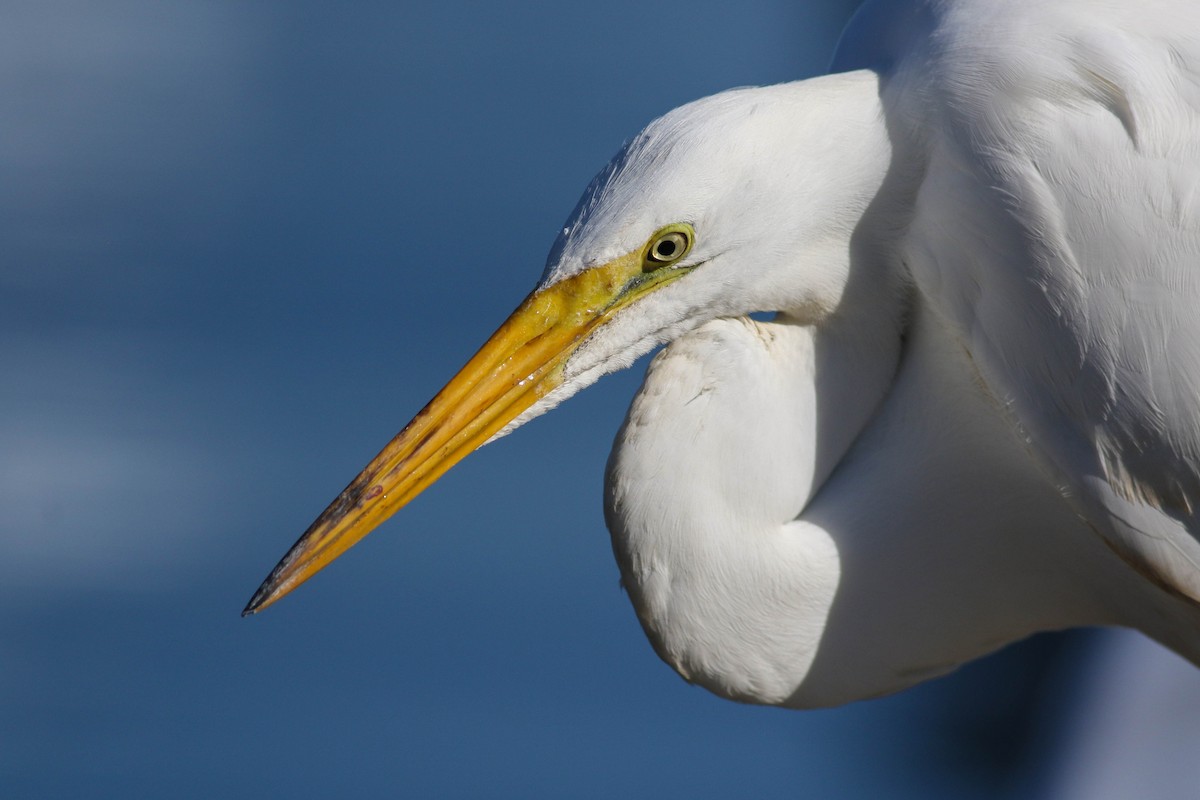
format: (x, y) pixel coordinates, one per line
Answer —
(521, 363)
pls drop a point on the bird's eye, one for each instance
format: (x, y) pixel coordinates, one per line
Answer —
(668, 246)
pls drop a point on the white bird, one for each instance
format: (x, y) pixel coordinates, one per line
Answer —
(976, 414)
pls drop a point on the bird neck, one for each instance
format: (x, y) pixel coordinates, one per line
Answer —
(931, 543)
(735, 429)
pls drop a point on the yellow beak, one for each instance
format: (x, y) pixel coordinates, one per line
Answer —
(521, 363)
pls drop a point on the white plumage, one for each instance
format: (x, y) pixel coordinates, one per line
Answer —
(976, 414)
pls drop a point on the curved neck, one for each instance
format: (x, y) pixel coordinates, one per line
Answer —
(735, 429)
(932, 542)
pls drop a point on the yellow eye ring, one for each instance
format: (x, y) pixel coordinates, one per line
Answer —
(668, 246)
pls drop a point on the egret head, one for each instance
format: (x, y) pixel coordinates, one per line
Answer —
(728, 205)
(756, 183)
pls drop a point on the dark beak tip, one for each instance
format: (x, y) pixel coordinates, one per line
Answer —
(260, 598)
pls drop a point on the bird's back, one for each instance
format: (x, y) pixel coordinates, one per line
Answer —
(1056, 230)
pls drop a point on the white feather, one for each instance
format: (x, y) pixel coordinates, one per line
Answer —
(976, 416)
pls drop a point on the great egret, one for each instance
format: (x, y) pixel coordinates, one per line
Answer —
(975, 415)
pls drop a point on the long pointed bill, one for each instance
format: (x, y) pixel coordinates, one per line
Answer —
(521, 363)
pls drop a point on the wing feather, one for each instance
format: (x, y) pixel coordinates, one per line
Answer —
(1057, 230)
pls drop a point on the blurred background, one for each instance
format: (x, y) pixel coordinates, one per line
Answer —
(241, 244)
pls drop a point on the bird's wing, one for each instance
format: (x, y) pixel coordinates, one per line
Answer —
(1057, 229)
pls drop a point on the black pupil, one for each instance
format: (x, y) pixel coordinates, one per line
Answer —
(666, 248)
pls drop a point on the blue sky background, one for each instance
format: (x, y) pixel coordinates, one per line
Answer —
(242, 244)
